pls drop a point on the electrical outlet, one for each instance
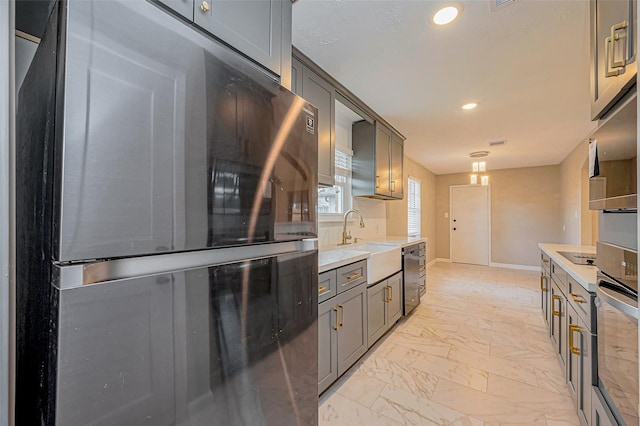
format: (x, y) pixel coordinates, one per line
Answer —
(446, 215)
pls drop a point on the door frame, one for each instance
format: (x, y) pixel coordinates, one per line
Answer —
(488, 219)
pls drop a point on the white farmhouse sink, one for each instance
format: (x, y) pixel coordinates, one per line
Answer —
(384, 260)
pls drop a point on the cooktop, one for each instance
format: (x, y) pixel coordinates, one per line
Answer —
(588, 259)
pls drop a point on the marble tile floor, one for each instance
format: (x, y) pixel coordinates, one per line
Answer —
(476, 351)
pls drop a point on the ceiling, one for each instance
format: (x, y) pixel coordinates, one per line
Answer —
(527, 64)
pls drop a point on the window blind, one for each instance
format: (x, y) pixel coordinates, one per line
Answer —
(414, 208)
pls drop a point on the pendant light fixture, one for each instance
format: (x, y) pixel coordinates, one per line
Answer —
(479, 168)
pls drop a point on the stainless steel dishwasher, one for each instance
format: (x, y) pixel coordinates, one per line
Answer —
(414, 271)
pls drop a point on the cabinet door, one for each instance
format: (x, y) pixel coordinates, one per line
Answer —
(573, 354)
(254, 27)
(586, 344)
(327, 344)
(183, 7)
(394, 304)
(352, 332)
(558, 315)
(296, 76)
(600, 413)
(544, 295)
(377, 319)
(383, 177)
(397, 161)
(613, 62)
(320, 93)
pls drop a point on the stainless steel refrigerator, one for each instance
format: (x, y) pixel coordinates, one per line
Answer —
(166, 227)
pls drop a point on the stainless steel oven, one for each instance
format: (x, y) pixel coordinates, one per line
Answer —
(617, 310)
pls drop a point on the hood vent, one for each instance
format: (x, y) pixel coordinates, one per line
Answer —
(497, 143)
(499, 4)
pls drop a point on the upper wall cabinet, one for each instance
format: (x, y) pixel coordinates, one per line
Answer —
(321, 94)
(377, 161)
(613, 52)
(260, 29)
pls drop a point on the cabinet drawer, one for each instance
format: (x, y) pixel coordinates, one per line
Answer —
(545, 261)
(352, 275)
(559, 275)
(327, 287)
(583, 303)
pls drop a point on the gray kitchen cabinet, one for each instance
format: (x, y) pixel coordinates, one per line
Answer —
(183, 7)
(352, 334)
(397, 167)
(600, 413)
(342, 334)
(613, 52)
(580, 364)
(378, 155)
(296, 76)
(545, 284)
(327, 285)
(384, 302)
(558, 323)
(581, 348)
(259, 29)
(322, 95)
(327, 344)
(254, 27)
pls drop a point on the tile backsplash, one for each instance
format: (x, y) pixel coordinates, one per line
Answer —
(375, 218)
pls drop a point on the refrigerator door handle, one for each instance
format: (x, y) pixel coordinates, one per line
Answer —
(76, 275)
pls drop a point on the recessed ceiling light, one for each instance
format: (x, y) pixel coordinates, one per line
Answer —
(470, 105)
(445, 15)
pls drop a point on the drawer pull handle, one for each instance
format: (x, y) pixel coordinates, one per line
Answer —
(572, 329)
(342, 321)
(545, 260)
(542, 287)
(353, 276)
(553, 305)
(322, 288)
(335, 327)
(577, 298)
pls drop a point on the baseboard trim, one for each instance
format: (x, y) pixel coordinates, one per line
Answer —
(512, 266)
(430, 264)
(442, 259)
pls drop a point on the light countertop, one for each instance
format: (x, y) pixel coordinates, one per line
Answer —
(585, 275)
(338, 256)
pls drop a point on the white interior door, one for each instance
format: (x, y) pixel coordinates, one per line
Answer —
(469, 224)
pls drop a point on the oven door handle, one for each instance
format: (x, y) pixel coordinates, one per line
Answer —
(617, 300)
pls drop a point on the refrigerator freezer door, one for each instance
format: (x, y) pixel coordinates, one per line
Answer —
(234, 342)
(171, 142)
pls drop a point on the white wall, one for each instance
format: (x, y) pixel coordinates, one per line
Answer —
(374, 212)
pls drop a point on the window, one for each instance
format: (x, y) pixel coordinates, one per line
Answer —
(413, 208)
(336, 200)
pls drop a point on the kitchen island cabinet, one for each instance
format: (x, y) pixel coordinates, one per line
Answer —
(572, 326)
